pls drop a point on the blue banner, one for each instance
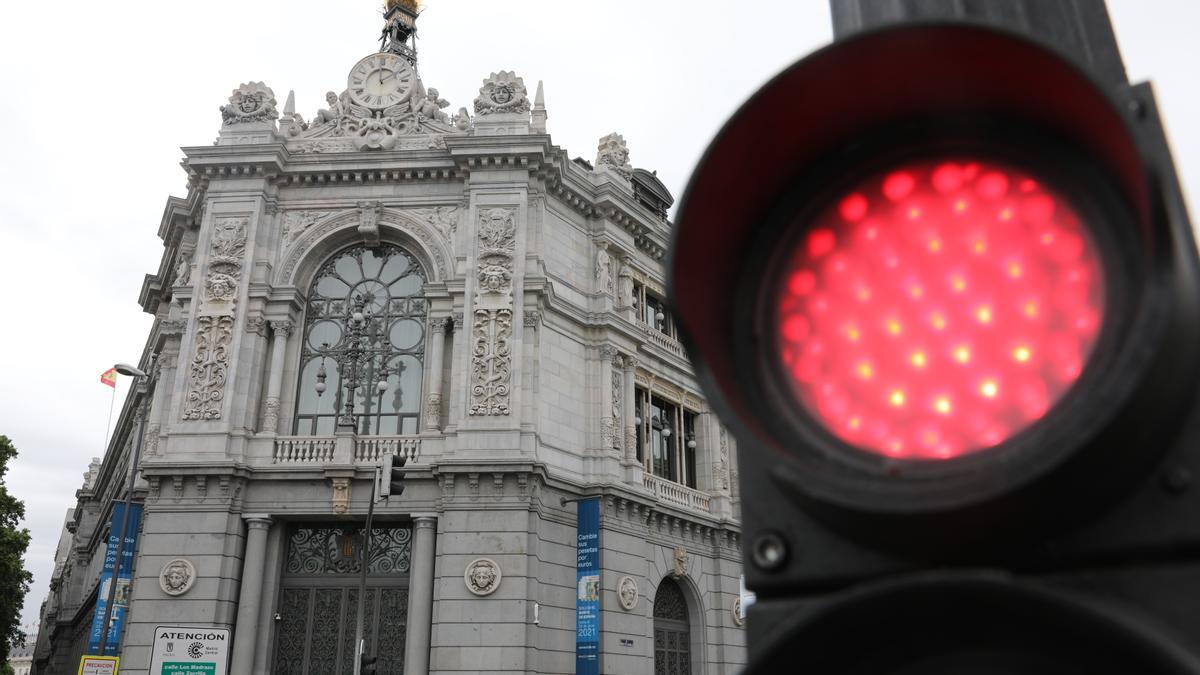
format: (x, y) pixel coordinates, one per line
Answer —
(587, 599)
(121, 599)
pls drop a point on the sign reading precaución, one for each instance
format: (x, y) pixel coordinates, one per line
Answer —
(587, 599)
(193, 650)
(99, 665)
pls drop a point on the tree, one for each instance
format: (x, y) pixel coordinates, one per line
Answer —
(14, 579)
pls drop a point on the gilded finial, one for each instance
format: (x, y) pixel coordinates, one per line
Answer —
(413, 6)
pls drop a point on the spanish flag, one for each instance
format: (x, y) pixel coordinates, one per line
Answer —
(109, 377)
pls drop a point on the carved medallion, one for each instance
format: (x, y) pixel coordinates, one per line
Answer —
(627, 593)
(736, 610)
(482, 576)
(502, 92)
(251, 102)
(177, 576)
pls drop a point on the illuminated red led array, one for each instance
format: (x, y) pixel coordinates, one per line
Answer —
(940, 308)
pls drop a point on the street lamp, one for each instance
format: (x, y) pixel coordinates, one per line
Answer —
(136, 452)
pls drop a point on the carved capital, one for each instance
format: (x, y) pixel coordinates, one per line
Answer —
(631, 362)
(533, 318)
(256, 324)
(608, 352)
(284, 327)
(439, 324)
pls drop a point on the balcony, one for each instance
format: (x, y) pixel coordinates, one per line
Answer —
(674, 493)
(663, 340)
(320, 449)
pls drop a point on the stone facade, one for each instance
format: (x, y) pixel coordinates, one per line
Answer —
(536, 351)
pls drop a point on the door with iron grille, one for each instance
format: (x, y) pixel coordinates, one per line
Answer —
(672, 634)
(318, 599)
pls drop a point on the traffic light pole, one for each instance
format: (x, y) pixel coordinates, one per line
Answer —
(360, 613)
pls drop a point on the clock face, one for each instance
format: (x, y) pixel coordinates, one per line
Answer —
(381, 80)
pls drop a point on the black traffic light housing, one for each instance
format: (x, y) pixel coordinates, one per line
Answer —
(391, 477)
(367, 664)
(1087, 518)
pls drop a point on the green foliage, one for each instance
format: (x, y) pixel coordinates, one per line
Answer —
(14, 579)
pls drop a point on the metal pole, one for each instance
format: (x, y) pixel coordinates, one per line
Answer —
(362, 583)
(133, 468)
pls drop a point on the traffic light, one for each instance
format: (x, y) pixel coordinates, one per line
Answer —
(391, 477)
(943, 289)
(367, 664)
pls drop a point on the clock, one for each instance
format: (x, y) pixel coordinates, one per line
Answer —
(381, 80)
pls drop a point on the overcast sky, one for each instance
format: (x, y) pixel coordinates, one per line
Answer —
(98, 98)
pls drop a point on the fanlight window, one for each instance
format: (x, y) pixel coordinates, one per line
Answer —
(364, 322)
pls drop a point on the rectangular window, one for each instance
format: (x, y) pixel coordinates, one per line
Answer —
(666, 438)
(651, 310)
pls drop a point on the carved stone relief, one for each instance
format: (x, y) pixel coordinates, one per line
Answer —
(612, 153)
(680, 559)
(491, 329)
(251, 102)
(721, 466)
(618, 391)
(177, 576)
(604, 264)
(443, 218)
(340, 501)
(736, 611)
(368, 222)
(627, 593)
(208, 371)
(296, 222)
(482, 576)
(225, 264)
(502, 92)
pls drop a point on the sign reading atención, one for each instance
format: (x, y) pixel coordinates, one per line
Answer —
(199, 650)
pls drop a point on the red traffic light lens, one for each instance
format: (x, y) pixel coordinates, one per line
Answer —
(939, 308)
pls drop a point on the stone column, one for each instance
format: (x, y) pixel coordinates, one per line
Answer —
(608, 430)
(437, 347)
(245, 637)
(281, 329)
(420, 595)
(633, 469)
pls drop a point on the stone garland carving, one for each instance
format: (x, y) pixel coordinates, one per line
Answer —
(491, 329)
(207, 376)
(482, 576)
(612, 153)
(502, 92)
(251, 102)
(627, 593)
(680, 558)
(177, 576)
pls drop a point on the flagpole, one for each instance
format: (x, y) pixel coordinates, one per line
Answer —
(108, 425)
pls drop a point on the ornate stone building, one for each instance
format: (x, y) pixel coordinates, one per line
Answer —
(391, 276)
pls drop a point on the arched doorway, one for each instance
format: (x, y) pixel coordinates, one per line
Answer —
(672, 632)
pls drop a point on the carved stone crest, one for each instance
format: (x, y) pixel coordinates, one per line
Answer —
(680, 558)
(627, 593)
(177, 576)
(482, 576)
(612, 153)
(251, 102)
(340, 502)
(502, 92)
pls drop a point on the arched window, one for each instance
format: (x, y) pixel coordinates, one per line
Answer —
(672, 633)
(340, 354)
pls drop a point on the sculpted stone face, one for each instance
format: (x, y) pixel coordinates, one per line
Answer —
(483, 576)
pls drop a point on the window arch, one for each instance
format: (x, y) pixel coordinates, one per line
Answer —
(385, 283)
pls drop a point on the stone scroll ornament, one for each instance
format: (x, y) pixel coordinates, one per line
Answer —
(251, 102)
(492, 326)
(503, 92)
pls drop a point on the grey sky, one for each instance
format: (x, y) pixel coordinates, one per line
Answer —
(98, 98)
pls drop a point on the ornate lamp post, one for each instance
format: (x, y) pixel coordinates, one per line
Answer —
(355, 357)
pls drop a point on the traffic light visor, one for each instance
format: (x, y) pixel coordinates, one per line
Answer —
(938, 307)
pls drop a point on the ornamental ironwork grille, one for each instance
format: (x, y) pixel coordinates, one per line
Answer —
(386, 282)
(318, 599)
